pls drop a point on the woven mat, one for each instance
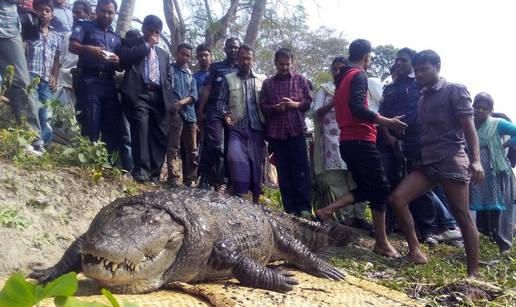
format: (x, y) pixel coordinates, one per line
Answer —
(311, 291)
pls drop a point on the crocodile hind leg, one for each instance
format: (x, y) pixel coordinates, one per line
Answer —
(299, 255)
(249, 273)
(71, 261)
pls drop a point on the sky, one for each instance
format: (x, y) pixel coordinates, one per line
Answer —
(473, 37)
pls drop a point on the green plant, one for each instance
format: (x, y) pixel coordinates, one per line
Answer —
(10, 218)
(43, 239)
(7, 79)
(18, 292)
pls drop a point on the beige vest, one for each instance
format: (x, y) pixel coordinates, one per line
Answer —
(236, 101)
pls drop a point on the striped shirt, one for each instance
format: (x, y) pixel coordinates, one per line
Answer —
(251, 116)
(289, 123)
(9, 21)
(40, 54)
(440, 108)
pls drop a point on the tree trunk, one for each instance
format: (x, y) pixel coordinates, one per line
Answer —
(217, 30)
(255, 23)
(125, 16)
(174, 24)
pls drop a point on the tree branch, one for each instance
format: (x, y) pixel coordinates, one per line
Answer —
(216, 31)
(255, 23)
(208, 11)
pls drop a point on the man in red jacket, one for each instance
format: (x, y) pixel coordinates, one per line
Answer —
(358, 143)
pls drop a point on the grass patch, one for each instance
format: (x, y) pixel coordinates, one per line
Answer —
(10, 218)
(441, 281)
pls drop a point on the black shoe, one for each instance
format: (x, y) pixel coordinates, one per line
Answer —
(155, 180)
(140, 179)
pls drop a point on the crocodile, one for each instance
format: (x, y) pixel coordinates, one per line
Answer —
(141, 243)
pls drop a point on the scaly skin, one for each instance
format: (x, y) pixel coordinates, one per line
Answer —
(141, 243)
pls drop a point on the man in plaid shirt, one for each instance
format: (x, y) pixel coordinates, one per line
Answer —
(284, 99)
(43, 62)
(11, 53)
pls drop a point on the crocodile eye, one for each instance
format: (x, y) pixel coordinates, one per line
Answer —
(154, 219)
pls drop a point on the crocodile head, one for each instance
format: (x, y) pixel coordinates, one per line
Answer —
(129, 247)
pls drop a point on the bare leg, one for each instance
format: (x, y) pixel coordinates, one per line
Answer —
(457, 194)
(382, 245)
(412, 186)
(326, 213)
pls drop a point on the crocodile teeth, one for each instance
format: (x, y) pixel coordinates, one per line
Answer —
(114, 266)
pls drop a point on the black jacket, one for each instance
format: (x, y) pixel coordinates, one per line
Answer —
(132, 56)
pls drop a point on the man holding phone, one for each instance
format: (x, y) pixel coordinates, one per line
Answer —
(96, 43)
(284, 99)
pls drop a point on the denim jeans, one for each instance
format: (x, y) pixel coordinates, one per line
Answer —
(444, 218)
(12, 53)
(43, 94)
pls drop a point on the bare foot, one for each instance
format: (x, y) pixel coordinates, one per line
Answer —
(324, 214)
(386, 250)
(417, 257)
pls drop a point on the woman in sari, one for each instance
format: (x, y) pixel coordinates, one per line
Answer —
(327, 160)
(493, 199)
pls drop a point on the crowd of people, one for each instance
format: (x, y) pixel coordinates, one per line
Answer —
(417, 151)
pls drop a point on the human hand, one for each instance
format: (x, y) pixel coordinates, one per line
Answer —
(228, 120)
(476, 171)
(279, 107)
(396, 124)
(52, 84)
(153, 39)
(96, 52)
(290, 104)
(113, 58)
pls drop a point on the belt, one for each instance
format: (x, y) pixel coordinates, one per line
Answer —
(98, 74)
(152, 87)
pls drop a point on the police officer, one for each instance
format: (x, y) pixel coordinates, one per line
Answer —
(211, 166)
(100, 113)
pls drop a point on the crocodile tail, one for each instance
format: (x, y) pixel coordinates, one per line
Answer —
(315, 235)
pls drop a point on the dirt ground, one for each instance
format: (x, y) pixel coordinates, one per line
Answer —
(51, 208)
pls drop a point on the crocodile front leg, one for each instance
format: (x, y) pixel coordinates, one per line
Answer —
(226, 255)
(71, 261)
(299, 255)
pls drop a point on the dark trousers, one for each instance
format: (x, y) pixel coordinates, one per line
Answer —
(149, 123)
(246, 154)
(100, 112)
(126, 154)
(365, 164)
(212, 156)
(293, 173)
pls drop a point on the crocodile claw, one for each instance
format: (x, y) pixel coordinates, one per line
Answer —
(285, 281)
(330, 272)
(43, 276)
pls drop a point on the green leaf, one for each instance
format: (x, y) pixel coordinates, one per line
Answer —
(65, 285)
(17, 292)
(68, 150)
(71, 301)
(82, 157)
(110, 297)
